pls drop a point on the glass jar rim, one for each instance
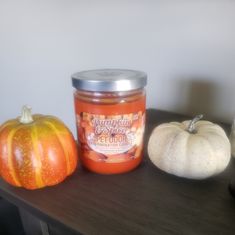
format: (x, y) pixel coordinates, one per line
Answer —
(109, 80)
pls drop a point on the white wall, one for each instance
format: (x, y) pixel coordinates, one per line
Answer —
(187, 47)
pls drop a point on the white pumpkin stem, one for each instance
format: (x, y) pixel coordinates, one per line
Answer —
(26, 116)
(191, 126)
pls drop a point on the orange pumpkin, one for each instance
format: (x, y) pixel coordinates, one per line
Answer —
(36, 151)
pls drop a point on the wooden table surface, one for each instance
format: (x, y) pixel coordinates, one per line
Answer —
(145, 201)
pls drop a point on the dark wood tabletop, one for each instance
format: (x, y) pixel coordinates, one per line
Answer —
(145, 201)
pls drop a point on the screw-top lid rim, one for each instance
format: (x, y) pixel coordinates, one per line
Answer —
(109, 80)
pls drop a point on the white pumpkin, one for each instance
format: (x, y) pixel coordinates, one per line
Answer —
(191, 149)
(232, 139)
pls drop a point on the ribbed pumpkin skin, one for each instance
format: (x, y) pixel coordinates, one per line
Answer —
(38, 154)
(205, 153)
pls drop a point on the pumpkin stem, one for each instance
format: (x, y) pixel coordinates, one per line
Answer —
(26, 116)
(191, 126)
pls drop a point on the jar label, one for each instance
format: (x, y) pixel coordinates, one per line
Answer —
(111, 138)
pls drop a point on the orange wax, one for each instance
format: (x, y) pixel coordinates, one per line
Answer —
(110, 124)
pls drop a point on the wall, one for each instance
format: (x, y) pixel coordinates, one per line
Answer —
(187, 47)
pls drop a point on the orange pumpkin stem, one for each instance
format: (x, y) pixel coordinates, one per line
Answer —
(26, 116)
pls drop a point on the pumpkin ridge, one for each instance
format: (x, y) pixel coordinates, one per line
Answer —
(52, 126)
(173, 142)
(6, 124)
(38, 176)
(217, 163)
(169, 146)
(10, 160)
(210, 149)
(37, 117)
(170, 125)
(187, 160)
(212, 131)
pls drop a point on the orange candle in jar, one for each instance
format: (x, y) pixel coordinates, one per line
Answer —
(110, 118)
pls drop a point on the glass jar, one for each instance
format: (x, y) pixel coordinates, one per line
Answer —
(110, 118)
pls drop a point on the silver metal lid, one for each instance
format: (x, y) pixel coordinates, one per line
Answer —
(109, 80)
